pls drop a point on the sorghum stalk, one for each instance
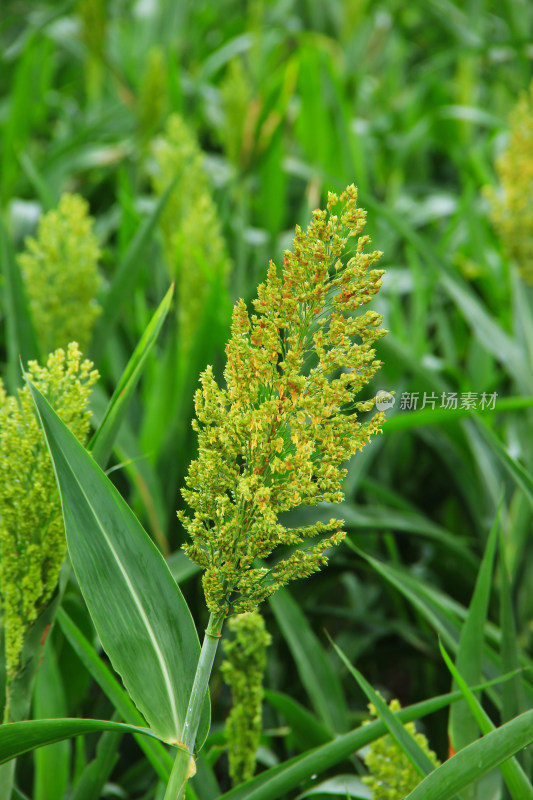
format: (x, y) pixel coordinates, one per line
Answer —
(183, 767)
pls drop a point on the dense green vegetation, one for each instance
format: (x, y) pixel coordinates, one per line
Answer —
(199, 134)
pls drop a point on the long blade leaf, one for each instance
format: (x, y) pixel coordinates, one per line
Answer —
(138, 610)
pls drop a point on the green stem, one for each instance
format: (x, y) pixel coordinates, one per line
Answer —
(183, 768)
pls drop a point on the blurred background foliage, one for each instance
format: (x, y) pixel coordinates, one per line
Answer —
(200, 133)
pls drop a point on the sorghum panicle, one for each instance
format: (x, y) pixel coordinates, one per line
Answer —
(392, 775)
(278, 435)
(32, 539)
(60, 272)
(194, 248)
(243, 670)
(512, 203)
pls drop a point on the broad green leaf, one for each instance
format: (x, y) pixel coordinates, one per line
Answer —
(416, 755)
(102, 442)
(17, 738)
(125, 277)
(21, 340)
(476, 759)
(138, 610)
(313, 665)
(153, 750)
(51, 763)
(462, 727)
(513, 774)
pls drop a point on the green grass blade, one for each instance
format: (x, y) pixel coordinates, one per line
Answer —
(314, 668)
(418, 758)
(103, 440)
(512, 772)
(153, 750)
(125, 277)
(487, 330)
(97, 772)
(404, 421)
(140, 615)
(476, 759)
(522, 478)
(462, 726)
(512, 692)
(17, 738)
(20, 336)
(305, 726)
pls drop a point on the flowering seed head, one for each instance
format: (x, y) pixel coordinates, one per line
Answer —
(277, 436)
(32, 540)
(60, 271)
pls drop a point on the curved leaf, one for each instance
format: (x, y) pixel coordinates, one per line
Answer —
(475, 760)
(17, 738)
(138, 610)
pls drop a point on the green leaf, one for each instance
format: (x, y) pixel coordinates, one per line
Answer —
(522, 478)
(308, 731)
(476, 759)
(416, 755)
(17, 738)
(513, 774)
(102, 442)
(462, 727)
(97, 771)
(487, 330)
(153, 750)
(344, 785)
(20, 338)
(138, 610)
(125, 277)
(313, 665)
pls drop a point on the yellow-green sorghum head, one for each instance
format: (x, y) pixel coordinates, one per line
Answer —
(277, 436)
(60, 271)
(392, 775)
(194, 248)
(512, 204)
(243, 670)
(32, 539)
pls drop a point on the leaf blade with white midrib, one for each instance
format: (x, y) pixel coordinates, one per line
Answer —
(139, 612)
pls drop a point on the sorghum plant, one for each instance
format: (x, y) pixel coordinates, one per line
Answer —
(243, 670)
(32, 538)
(275, 437)
(512, 204)
(392, 775)
(60, 271)
(194, 248)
